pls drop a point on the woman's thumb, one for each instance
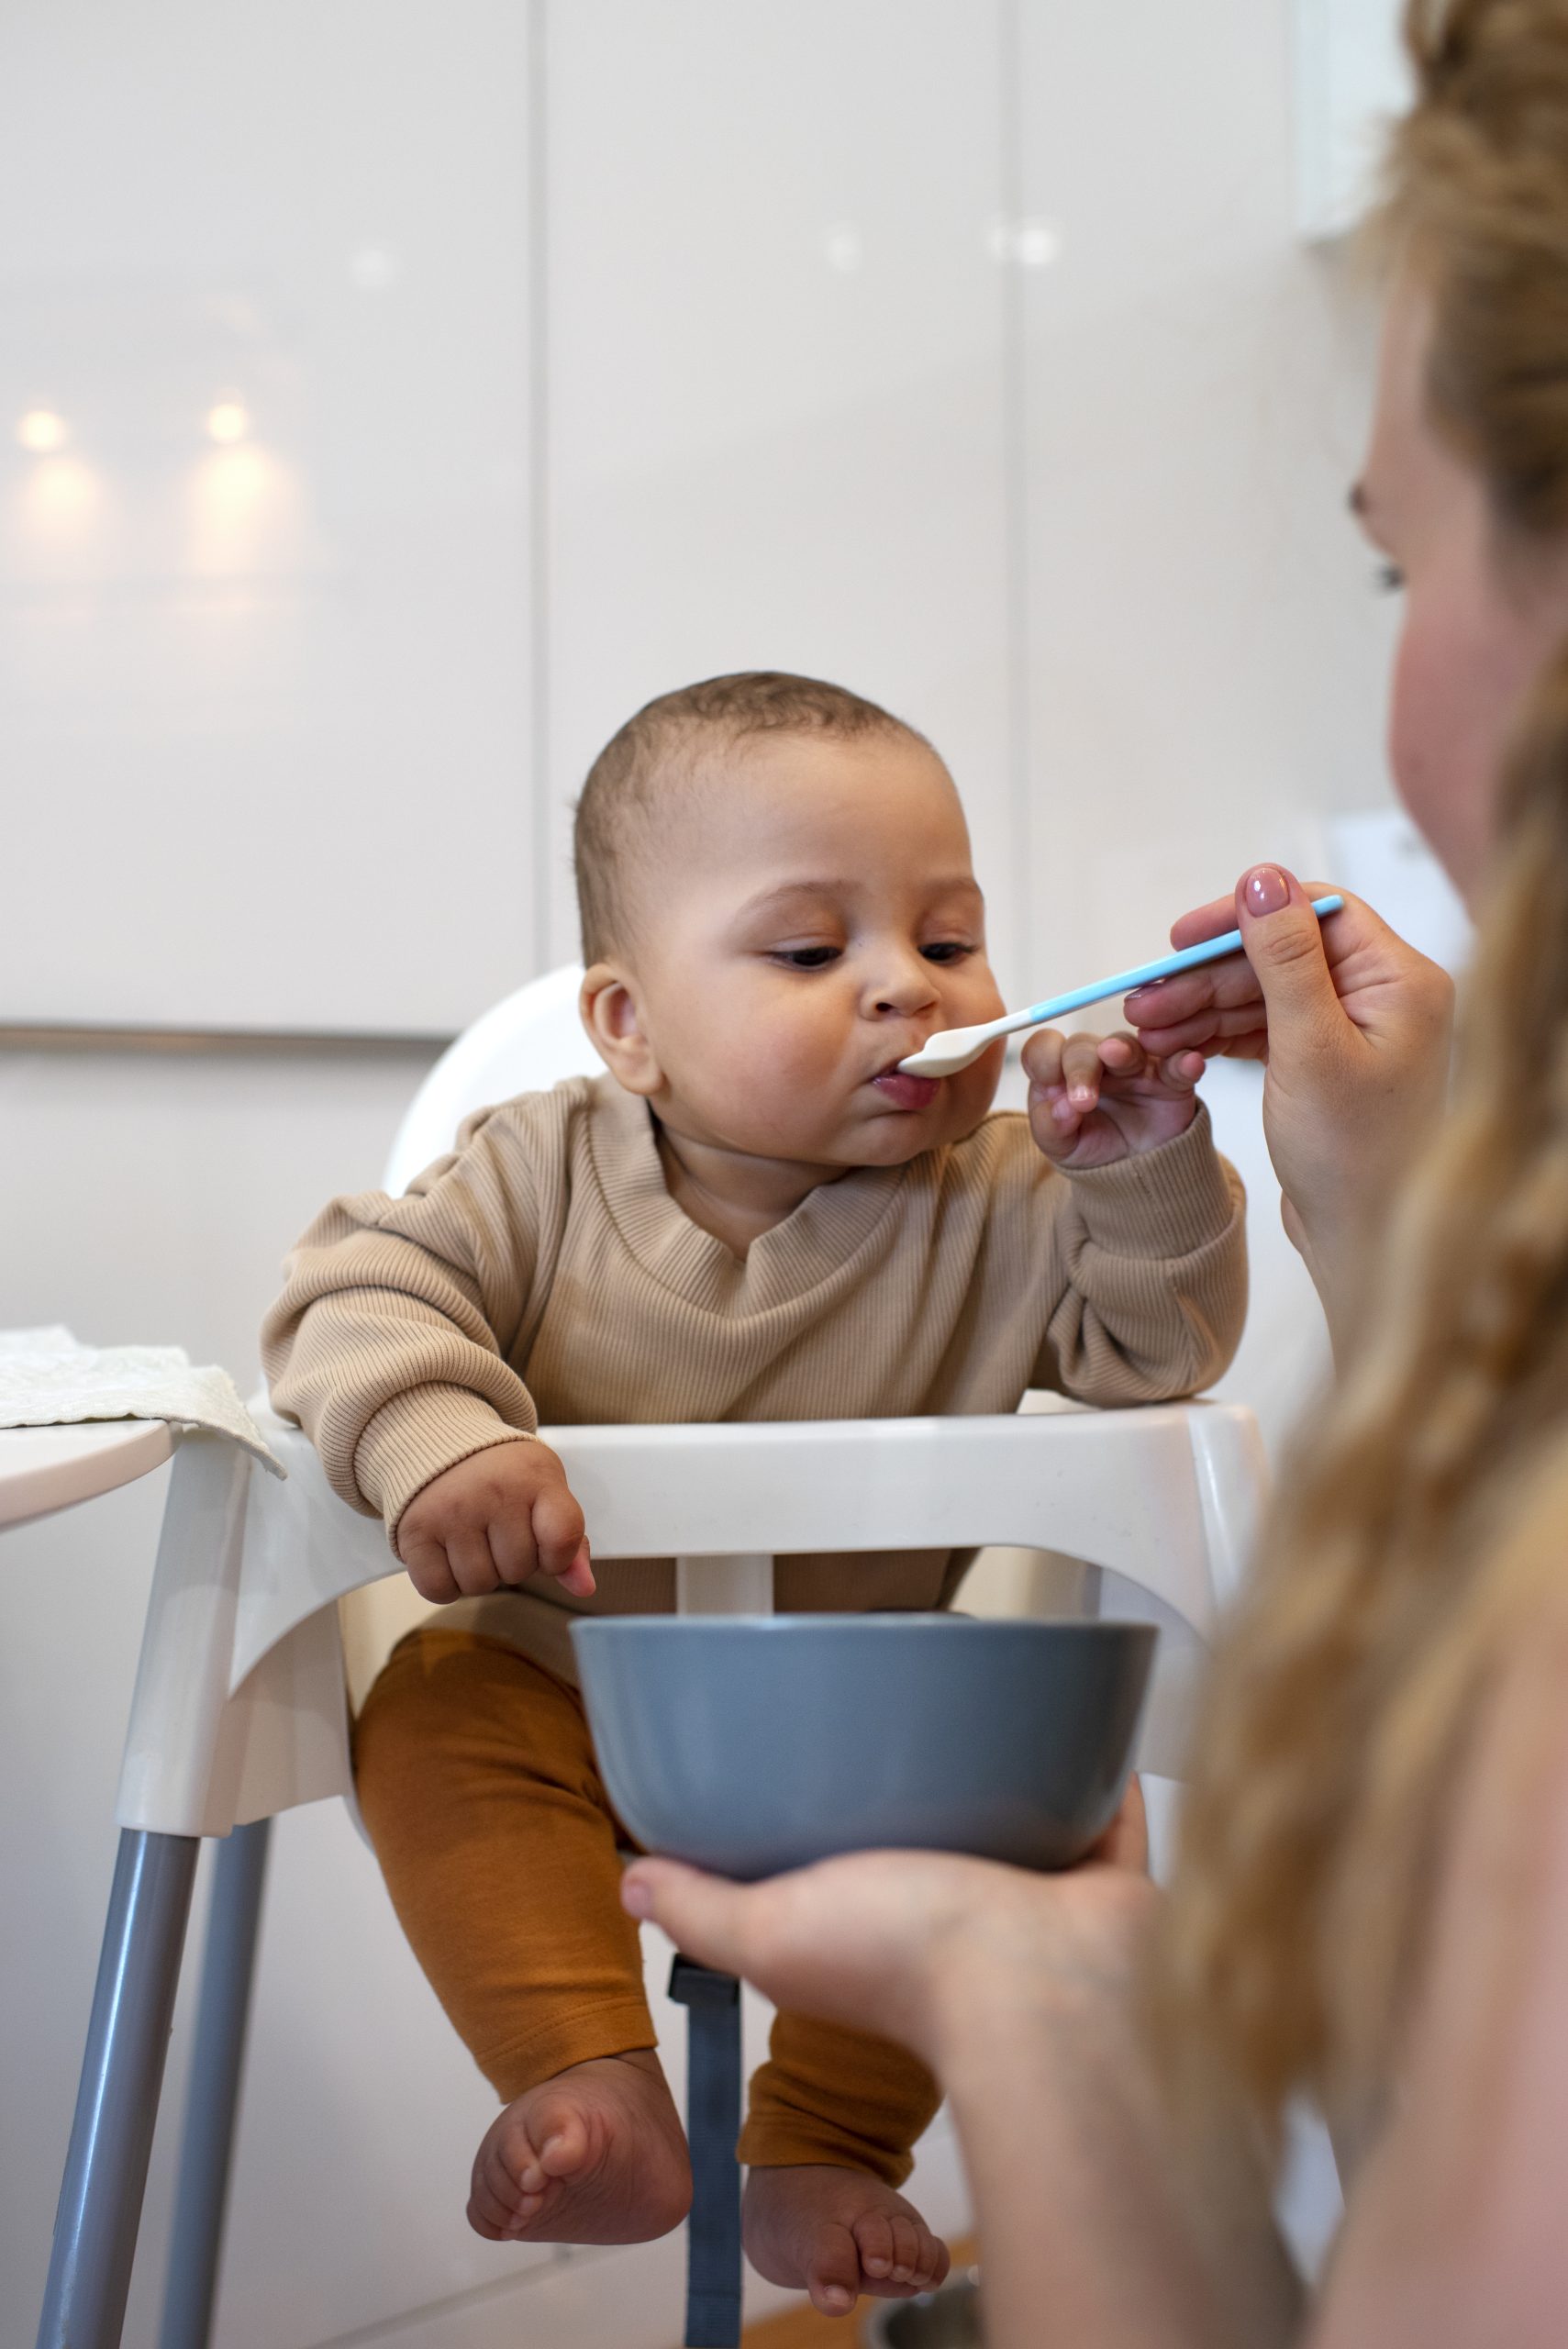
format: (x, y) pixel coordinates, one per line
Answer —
(1283, 942)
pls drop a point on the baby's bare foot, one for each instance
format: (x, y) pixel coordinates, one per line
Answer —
(839, 2232)
(594, 2155)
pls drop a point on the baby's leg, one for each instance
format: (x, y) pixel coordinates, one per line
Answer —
(834, 2116)
(477, 1782)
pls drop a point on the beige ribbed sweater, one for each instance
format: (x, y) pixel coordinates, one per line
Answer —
(547, 1249)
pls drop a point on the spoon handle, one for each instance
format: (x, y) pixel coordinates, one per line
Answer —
(1210, 950)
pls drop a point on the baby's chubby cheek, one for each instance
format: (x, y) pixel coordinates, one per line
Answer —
(761, 1092)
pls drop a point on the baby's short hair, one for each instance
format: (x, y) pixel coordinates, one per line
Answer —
(617, 811)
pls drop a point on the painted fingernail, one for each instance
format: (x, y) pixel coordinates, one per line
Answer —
(1266, 890)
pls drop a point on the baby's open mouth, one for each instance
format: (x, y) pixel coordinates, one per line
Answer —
(906, 1092)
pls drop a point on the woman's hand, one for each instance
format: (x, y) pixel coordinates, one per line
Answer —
(891, 1942)
(1093, 1099)
(1355, 1029)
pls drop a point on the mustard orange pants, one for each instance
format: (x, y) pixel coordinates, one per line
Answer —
(478, 1785)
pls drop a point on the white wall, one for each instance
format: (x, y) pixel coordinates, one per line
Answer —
(964, 351)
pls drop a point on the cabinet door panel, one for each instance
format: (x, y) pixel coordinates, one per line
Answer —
(1207, 651)
(266, 697)
(776, 390)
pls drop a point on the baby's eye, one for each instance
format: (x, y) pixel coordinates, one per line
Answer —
(947, 949)
(807, 958)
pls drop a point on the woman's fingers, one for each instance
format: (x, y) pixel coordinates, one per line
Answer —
(1205, 921)
(1210, 1031)
(1126, 1842)
(704, 1915)
(1284, 944)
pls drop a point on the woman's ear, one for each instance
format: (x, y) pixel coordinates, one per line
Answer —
(609, 1008)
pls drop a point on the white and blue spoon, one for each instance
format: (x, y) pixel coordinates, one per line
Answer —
(955, 1048)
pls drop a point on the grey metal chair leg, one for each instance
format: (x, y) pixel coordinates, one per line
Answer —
(217, 2060)
(713, 2124)
(116, 2103)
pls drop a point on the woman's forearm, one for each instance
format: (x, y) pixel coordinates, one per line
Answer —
(1094, 2230)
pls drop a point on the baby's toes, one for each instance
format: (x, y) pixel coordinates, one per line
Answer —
(932, 2259)
(874, 2238)
(898, 2248)
(563, 2149)
(498, 2201)
(834, 2282)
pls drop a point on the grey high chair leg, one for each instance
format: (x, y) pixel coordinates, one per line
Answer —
(218, 2059)
(713, 2124)
(116, 2103)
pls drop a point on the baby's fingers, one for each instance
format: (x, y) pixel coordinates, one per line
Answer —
(1181, 1071)
(1043, 1058)
(558, 1532)
(425, 1561)
(1081, 1070)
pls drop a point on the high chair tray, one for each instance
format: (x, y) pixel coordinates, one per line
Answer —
(752, 1743)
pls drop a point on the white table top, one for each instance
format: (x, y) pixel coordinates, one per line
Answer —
(43, 1469)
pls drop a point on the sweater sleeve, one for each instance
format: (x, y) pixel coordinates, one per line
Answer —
(1155, 1295)
(389, 1344)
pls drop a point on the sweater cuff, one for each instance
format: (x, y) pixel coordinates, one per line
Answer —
(417, 1437)
(1167, 1202)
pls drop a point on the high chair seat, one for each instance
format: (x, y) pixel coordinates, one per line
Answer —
(239, 1709)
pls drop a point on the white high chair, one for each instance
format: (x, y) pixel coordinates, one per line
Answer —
(239, 1709)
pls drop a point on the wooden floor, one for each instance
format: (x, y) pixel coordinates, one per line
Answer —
(803, 2329)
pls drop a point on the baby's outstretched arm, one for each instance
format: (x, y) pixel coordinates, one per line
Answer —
(492, 1521)
(1095, 1100)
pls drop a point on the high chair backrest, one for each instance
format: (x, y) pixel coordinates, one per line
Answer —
(525, 1043)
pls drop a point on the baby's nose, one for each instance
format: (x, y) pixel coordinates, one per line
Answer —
(910, 991)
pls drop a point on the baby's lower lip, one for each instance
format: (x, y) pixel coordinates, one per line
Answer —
(908, 1092)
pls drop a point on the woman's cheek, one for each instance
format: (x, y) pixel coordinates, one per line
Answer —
(1444, 738)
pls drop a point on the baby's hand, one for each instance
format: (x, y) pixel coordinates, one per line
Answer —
(1093, 1099)
(496, 1518)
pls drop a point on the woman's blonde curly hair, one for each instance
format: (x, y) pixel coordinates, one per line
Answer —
(1427, 1512)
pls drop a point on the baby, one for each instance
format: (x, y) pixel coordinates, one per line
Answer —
(752, 1215)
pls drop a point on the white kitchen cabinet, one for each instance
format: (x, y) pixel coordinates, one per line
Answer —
(774, 369)
(266, 699)
(1206, 644)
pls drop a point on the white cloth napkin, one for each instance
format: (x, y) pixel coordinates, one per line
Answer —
(48, 1380)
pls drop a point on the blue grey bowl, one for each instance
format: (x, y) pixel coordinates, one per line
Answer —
(748, 1743)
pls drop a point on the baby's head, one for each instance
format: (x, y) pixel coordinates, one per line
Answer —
(777, 907)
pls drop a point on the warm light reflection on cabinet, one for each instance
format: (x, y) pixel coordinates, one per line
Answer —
(57, 501)
(227, 420)
(245, 513)
(41, 431)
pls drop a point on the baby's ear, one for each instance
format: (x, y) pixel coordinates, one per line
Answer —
(608, 1004)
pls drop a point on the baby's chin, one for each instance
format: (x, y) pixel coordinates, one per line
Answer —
(896, 1136)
